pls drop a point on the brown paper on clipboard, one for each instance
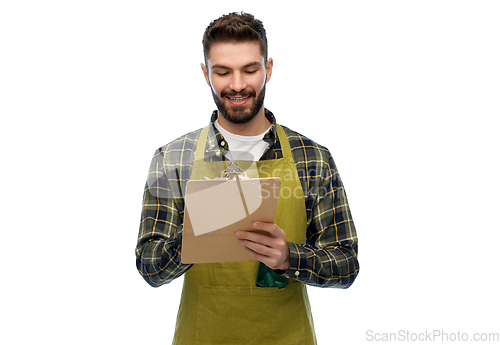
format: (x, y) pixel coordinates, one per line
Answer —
(215, 210)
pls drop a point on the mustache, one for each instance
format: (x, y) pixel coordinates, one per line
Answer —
(233, 94)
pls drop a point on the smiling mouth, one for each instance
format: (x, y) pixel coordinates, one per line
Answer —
(238, 99)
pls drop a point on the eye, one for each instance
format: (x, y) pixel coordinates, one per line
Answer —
(222, 74)
(251, 72)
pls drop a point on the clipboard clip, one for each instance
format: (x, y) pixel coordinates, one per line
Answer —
(233, 171)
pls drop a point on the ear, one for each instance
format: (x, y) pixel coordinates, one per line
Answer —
(269, 69)
(205, 73)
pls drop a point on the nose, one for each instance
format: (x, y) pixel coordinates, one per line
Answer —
(238, 82)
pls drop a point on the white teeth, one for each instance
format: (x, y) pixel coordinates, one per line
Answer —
(238, 99)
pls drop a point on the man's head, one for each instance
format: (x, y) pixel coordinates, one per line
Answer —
(236, 65)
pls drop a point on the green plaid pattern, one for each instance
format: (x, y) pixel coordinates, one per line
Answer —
(329, 257)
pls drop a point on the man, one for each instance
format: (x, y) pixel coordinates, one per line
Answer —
(313, 240)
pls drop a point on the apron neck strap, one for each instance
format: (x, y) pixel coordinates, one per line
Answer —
(200, 147)
(285, 145)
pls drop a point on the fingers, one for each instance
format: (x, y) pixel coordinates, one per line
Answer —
(274, 240)
(272, 262)
(272, 259)
(262, 244)
(272, 250)
(272, 228)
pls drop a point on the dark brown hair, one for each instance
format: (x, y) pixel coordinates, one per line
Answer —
(235, 27)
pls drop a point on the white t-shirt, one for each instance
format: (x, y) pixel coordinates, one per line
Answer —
(242, 147)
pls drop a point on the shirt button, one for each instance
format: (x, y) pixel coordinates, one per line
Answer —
(222, 143)
(217, 153)
(297, 273)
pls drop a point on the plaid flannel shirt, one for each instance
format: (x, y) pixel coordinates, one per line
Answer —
(329, 257)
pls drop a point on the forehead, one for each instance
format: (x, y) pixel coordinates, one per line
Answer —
(234, 54)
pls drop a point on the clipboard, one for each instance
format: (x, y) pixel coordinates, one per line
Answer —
(215, 209)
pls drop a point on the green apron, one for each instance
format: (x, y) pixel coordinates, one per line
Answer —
(220, 302)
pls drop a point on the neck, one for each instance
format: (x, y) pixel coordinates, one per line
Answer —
(258, 125)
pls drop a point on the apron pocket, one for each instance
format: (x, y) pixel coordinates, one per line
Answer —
(251, 315)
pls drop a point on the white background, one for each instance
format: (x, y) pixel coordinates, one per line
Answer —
(403, 93)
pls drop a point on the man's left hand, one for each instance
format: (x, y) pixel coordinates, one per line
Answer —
(271, 250)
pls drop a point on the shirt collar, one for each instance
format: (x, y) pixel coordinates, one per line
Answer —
(214, 136)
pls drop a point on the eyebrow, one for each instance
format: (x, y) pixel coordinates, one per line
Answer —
(255, 63)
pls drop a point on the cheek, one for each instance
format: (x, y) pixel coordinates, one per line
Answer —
(260, 82)
(217, 87)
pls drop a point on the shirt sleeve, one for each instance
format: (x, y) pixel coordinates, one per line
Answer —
(158, 250)
(329, 258)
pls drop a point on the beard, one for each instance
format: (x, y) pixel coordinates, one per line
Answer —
(239, 116)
